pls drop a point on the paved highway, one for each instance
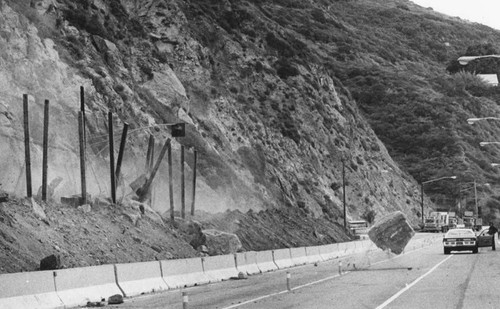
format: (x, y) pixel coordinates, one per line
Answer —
(423, 278)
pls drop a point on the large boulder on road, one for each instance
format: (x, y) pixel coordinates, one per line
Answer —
(392, 232)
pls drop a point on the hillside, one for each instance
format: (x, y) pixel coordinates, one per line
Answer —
(278, 98)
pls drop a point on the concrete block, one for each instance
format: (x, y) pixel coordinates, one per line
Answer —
(183, 272)
(313, 254)
(329, 252)
(140, 278)
(220, 267)
(265, 261)
(282, 258)
(247, 262)
(29, 290)
(299, 256)
(77, 286)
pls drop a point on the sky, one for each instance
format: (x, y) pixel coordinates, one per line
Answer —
(485, 12)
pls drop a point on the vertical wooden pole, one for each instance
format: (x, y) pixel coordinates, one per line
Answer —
(82, 101)
(183, 195)
(82, 109)
(112, 157)
(27, 156)
(120, 153)
(194, 182)
(149, 154)
(82, 106)
(422, 202)
(170, 185)
(81, 135)
(45, 150)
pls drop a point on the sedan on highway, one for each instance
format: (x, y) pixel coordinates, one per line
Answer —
(460, 240)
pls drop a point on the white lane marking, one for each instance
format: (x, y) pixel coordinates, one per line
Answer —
(286, 291)
(254, 300)
(390, 300)
(316, 282)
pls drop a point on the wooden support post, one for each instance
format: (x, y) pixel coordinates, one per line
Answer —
(170, 185)
(81, 135)
(183, 195)
(147, 186)
(194, 183)
(150, 153)
(112, 157)
(27, 156)
(120, 153)
(151, 163)
(82, 109)
(45, 150)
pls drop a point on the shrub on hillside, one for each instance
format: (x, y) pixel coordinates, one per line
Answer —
(464, 83)
(481, 50)
(81, 20)
(289, 127)
(285, 69)
(282, 47)
(255, 161)
(318, 15)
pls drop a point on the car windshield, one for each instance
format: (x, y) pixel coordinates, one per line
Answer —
(460, 233)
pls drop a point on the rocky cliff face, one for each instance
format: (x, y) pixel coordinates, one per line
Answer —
(270, 123)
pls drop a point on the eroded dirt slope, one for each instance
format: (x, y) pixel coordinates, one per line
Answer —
(121, 234)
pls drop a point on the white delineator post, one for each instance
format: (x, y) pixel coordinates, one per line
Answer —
(185, 300)
(288, 277)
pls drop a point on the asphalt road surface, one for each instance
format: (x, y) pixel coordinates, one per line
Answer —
(423, 278)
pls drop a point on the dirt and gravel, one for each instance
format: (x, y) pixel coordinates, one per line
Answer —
(106, 233)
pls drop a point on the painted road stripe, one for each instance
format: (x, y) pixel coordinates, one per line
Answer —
(283, 292)
(390, 300)
(326, 279)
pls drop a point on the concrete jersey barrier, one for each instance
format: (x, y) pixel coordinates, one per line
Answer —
(77, 286)
(329, 252)
(183, 272)
(299, 256)
(343, 249)
(29, 290)
(313, 254)
(246, 262)
(140, 278)
(282, 258)
(220, 267)
(265, 261)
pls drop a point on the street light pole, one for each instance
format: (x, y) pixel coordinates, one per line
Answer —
(474, 120)
(464, 60)
(475, 198)
(482, 144)
(422, 192)
(422, 201)
(476, 206)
